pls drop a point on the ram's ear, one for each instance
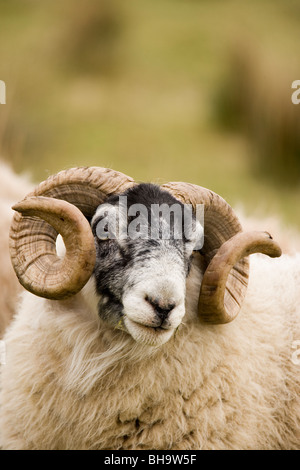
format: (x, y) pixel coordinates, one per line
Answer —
(194, 225)
(199, 236)
(194, 239)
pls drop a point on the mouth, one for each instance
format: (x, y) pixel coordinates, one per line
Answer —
(146, 334)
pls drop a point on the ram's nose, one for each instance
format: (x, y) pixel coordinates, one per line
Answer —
(161, 308)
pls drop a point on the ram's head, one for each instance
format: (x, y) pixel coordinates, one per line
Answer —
(140, 276)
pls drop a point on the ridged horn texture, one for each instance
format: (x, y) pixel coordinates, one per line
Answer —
(62, 204)
(225, 250)
(221, 295)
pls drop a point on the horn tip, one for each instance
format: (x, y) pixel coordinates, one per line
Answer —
(17, 207)
(269, 235)
(276, 249)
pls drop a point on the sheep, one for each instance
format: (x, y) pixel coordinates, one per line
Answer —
(128, 355)
(12, 189)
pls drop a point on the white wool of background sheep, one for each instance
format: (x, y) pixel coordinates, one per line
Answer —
(12, 189)
(72, 382)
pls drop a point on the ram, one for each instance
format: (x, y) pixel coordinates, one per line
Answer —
(142, 342)
(12, 189)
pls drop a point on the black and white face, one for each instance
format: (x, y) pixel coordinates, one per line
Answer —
(143, 259)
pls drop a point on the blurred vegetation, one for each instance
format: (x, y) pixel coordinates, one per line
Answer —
(162, 90)
(92, 37)
(255, 100)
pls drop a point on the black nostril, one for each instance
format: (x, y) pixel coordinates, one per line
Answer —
(161, 308)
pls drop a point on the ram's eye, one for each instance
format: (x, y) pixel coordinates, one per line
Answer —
(104, 236)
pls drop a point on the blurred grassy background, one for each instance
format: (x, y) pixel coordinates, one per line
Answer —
(190, 90)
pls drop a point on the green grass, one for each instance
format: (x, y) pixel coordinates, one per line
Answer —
(151, 114)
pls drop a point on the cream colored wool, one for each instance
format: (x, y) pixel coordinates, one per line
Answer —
(70, 382)
(12, 189)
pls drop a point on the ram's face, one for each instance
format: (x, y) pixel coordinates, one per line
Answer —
(140, 262)
(143, 259)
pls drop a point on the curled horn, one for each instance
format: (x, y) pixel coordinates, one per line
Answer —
(226, 249)
(62, 204)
